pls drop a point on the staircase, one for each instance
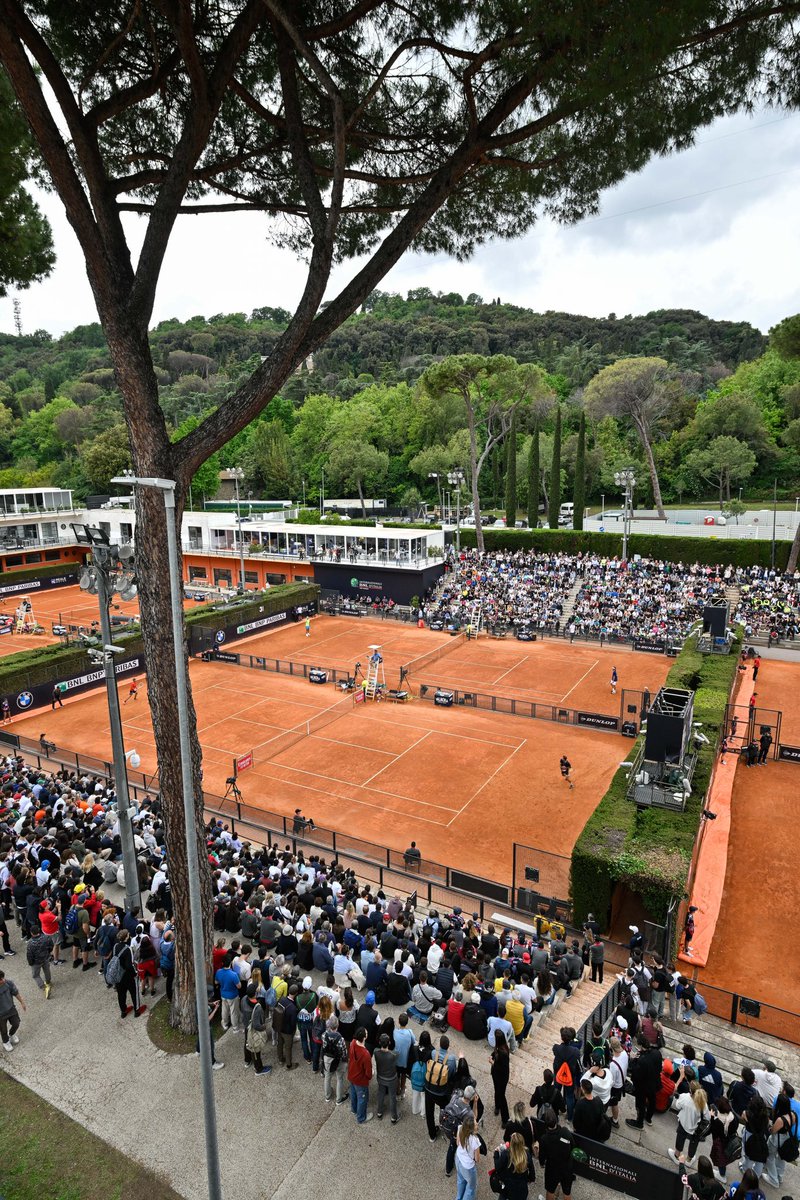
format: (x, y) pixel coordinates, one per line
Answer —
(376, 677)
(535, 1055)
(569, 602)
(733, 1046)
(475, 622)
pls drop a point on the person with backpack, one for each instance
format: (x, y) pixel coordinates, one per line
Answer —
(386, 1077)
(38, 951)
(359, 1073)
(404, 1042)
(255, 1039)
(121, 975)
(782, 1144)
(79, 927)
(334, 1060)
(514, 1168)
(555, 1155)
(459, 1106)
(306, 1007)
(645, 1072)
(567, 1067)
(146, 964)
(596, 1041)
(755, 1135)
(546, 1095)
(590, 1119)
(167, 961)
(439, 1070)
(746, 1188)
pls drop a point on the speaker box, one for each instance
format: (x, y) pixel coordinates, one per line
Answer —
(663, 741)
(715, 619)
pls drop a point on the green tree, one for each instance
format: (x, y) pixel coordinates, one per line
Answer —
(268, 463)
(38, 435)
(554, 500)
(637, 392)
(533, 479)
(26, 241)
(579, 492)
(372, 127)
(105, 456)
(355, 465)
(724, 461)
(785, 337)
(511, 473)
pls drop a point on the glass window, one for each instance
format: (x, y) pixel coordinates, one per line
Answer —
(197, 573)
(251, 576)
(33, 558)
(52, 555)
(222, 576)
(276, 578)
(14, 560)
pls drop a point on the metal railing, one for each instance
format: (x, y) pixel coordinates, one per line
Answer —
(383, 558)
(519, 708)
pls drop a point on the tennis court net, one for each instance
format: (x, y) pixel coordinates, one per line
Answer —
(284, 741)
(418, 664)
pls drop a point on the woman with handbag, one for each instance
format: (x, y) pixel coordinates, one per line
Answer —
(513, 1169)
(256, 1038)
(694, 1122)
(782, 1141)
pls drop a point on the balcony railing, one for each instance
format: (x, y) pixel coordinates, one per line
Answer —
(385, 558)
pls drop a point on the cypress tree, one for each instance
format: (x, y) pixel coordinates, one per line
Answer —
(533, 479)
(579, 493)
(555, 475)
(511, 474)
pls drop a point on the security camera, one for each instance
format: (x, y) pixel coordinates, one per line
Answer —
(114, 649)
(626, 764)
(708, 815)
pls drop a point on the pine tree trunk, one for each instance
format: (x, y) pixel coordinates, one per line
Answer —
(644, 435)
(473, 471)
(579, 492)
(533, 479)
(152, 456)
(511, 475)
(555, 475)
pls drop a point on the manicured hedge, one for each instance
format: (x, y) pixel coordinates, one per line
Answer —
(738, 551)
(26, 574)
(650, 850)
(45, 663)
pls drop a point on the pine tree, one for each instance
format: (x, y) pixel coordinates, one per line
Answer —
(533, 479)
(579, 493)
(511, 475)
(555, 475)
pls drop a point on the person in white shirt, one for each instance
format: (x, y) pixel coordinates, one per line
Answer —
(468, 1148)
(769, 1084)
(600, 1077)
(619, 1070)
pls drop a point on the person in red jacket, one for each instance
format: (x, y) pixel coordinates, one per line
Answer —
(51, 926)
(666, 1087)
(359, 1073)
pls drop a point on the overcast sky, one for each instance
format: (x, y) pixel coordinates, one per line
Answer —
(714, 229)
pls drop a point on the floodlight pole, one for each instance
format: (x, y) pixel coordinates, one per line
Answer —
(167, 488)
(101, 556)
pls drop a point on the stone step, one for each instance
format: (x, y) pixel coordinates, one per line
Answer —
(733, 1046)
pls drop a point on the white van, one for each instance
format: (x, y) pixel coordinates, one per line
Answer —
(566, 513)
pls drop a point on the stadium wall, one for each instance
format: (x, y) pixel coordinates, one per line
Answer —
(673, 549)
(650, 850)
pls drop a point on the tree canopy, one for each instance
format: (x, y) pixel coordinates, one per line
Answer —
(26, 241)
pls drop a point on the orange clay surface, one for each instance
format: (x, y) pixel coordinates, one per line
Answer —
(761, 871)
(61, 606)
(465, 785)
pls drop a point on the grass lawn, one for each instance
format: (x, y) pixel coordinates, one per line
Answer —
(166, 1038)
(45, 1155)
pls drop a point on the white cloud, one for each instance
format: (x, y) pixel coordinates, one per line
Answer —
(733, 253)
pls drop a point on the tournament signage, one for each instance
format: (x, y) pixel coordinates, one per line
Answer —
(243, 762)
(42, 693)
(597, 720)
(789, 753)
(38, 585)
(275, 619)
(224, 656)
(654, 647)
(623, 1172)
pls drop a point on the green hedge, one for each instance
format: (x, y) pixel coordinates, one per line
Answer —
(26, 574)
(650, 849)
(45, 663)
(739, 552)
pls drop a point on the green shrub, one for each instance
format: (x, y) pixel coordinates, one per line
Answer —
(650, 850)
(26, 574)
(739, 552)
(49, 663)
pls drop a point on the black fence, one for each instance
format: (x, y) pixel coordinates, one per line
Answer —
(540, 882)
(281, 666)
(439, 694)
(745, 725)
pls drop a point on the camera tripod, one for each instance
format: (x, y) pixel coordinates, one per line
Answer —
(232, 790)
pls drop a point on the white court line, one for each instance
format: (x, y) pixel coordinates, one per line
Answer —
(382, 808)
(524, 658)
(397, 758)
(350, 783)
(446, 732)
(583, 676)
(504, 763)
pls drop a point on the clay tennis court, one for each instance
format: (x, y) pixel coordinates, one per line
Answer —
(61, 606)
(465, 785)
(549, 671)
(755, 929)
